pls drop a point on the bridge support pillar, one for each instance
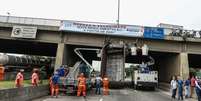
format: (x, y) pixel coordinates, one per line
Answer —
(184, 66)
(60, 59)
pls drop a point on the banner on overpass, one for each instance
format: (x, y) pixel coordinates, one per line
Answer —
(24, 32)
(102, 28)
(153, 32)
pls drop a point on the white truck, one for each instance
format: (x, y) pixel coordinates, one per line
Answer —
(145, 79)
(144, 76)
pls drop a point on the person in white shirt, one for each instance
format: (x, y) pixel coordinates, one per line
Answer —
(173, 86)
(198, 88)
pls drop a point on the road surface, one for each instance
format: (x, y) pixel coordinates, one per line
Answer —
(117, 95)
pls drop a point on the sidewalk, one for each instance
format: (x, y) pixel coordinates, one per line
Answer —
(169, 94)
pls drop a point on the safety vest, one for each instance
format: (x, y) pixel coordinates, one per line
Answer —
(34, 78)
(19, 77)
(1, 73)
(105, 81)
(82, 81)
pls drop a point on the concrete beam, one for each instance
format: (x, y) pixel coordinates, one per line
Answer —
(41, 27)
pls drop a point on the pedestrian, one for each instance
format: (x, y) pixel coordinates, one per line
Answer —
(105, 85)
(98, 84)
(173, 86)
(1, 72)
(180, 88)
(55, 84)
(187, 88)
(19, 79)
(198, 89)
(81, 85)
(192, 86)
(35, 78)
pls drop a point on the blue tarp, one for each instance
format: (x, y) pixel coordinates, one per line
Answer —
(153, 33)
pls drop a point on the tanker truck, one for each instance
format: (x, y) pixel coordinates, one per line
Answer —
(13, 63)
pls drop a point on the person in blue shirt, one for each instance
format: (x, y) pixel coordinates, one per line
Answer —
(180, 88)
(55, 84)
(187, 88)
(98, 84)
(61, 71)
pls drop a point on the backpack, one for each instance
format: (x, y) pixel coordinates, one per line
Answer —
(55, 79)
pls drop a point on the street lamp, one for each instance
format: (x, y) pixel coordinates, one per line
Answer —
(8, 15)
(118, 11)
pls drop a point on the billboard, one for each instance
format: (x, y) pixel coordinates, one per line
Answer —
(24, 32)
(102, 28)
(154, 32)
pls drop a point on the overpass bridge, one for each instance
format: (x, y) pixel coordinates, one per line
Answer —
(173, 54)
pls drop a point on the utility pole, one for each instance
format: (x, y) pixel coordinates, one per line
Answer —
(118, 13)
(8, 15)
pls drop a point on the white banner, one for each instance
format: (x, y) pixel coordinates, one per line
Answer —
(102, 28)
(24, 32)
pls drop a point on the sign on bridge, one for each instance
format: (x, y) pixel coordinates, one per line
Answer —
(24, 32)
(102, 28)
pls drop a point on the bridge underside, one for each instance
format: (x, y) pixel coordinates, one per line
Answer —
(28, 47)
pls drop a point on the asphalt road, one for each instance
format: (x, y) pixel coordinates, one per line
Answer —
(117, 95)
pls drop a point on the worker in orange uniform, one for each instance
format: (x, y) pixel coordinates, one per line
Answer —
(19, 79)
(81, 85)
(105, 85)
(50, 85)
(55, 84)
(1, 72)
(35, 78)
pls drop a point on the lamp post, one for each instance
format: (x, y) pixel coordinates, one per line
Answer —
(8, 15)
(118, 12)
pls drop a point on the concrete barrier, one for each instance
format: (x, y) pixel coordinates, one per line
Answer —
(23, 94)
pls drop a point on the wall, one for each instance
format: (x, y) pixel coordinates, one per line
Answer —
(168, 66)
(23, 94)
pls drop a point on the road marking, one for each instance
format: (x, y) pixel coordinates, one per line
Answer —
(101, 99)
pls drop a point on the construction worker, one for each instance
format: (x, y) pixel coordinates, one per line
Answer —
(50, 85)
(81, 85)
(105, 85)
(1, 72)
(35, 78)
(19, 79)
(55, 84)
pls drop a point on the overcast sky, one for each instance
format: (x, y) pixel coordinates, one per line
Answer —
(135, 12)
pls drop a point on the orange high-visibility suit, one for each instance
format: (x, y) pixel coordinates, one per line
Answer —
(51, 85)
(81, 85)
(105, 86)
(1, 72)
(34, 79)
(19, 80)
